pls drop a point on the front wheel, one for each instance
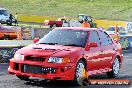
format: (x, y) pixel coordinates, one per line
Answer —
(80, 73)
(115, 69)
(23, 77)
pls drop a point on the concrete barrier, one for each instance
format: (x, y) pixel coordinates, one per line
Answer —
(100, 23)
(9, 47)
(107, 23)
(6, 53)
(36, 19)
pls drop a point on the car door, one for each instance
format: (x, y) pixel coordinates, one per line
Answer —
(107, 49)
(94, 53)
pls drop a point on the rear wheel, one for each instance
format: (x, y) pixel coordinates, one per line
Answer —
(80, 73)
(23, 77)
(6, 37)
(9, 24)
(115, 69)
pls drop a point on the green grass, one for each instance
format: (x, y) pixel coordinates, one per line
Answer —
(98, 9)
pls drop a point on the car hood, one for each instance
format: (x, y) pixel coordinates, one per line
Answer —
(47, 50)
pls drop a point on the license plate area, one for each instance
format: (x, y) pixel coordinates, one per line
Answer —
(37, 69)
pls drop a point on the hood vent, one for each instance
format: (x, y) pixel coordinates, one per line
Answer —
(37, 48)
(47, 49)
(34, 58)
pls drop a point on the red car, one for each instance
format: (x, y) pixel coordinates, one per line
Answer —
(54, 23)
(67, 53)
(7, 33)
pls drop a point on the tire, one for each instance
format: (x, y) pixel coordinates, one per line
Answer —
(6, 37)
(80, 73)
(50, 26)
(23, 77)
(9, 24)
(54, 25)
(115, 69)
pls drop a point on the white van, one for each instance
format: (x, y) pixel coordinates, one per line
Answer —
(5, 17)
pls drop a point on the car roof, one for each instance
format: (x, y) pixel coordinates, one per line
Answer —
(81, 14)
(78, 28)
(2, 9)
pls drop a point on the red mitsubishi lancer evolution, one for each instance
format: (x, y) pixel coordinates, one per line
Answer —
(64, 52)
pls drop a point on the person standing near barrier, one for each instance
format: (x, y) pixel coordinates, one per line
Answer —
(85, 24)
(19, 34)
(117, 33)
(16, 18)
(11, 18)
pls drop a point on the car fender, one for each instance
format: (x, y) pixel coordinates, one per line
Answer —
(79, 58)
(116, 54)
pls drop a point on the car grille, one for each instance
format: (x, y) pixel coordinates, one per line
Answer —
(39, 59)
(37, 69)
(16, 66)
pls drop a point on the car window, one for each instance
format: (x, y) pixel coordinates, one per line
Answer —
(121, 29)
(106, 40)
(4, 12)
(94, 37)
(65, 37)
(111, 29)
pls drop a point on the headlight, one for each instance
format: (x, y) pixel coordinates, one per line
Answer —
(58, 60)
(55, 60)
(19, 57)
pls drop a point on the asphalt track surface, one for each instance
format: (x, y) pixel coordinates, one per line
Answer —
(11, 81)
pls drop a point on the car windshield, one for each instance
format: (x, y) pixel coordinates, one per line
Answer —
(4, 12)
(111, 29)
(81, 17)
(65, 37)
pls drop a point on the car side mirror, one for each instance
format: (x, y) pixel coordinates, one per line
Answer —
(35, 40)
(92, 44)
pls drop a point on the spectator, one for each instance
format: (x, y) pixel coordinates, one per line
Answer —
(11, 17)
(16, 18)
(117, 33)
(85, 24)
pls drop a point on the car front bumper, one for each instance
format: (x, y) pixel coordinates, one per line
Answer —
(48, 71)
(3, 22)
